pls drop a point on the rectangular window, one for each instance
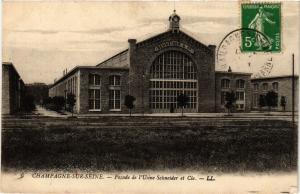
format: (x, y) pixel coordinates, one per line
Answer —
(265, 86)
(225, 83)
(255, 100)
(114, 80)
(114, 99)
(255, 87)
(94, 79)
(94, 99)
(223, 98)
(275, 86)
(240, 96)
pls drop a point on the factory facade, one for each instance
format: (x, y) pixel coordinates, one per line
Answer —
(155, 71)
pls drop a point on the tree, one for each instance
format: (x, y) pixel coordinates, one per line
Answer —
(230, 99)
(59, 102)
(271, 99)
(71, 102)
(28, 104)
(262, 101)
(47, 101)
(129, 102)
(283, 102)
(182, 101)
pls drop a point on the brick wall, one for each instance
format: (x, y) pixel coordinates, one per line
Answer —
(284, 89)
(143, 54)
(233, 77)
(104, 74)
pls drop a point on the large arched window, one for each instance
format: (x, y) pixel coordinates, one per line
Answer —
(171, 74)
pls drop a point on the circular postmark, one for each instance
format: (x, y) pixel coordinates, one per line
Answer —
(230, 53)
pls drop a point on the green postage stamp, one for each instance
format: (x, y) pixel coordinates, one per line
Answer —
(262, 24)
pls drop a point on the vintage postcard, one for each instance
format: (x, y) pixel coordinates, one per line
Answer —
(150, 97)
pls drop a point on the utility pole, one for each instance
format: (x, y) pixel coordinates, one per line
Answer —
(293, 90)
(294, 130)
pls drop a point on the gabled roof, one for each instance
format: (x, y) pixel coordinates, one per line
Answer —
(170, 31)
(119, 60)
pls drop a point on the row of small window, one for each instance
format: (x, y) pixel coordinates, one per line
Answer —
(168, 105)
(265, 86)
(95, 79)
(173, 75)
(95, 99)
(170, 94)
(172, 84)
(240, 96)
(225, 83)
(164, 99)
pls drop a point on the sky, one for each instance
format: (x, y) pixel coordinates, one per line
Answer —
(44, 38)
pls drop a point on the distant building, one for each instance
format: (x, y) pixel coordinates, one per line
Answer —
(13, 89)
(39, 91)
(237, 82)
(155, 71)
(282, 85)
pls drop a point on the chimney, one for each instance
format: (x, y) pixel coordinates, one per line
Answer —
(132, 44)
(131, 50)
(130, 61)
(229, 69)
(212, 48)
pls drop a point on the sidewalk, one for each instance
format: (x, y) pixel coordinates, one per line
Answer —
(50, 113)
(287, 115)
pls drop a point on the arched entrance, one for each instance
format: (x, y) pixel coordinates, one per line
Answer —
(171, 74)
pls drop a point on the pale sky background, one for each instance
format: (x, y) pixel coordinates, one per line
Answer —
(44, 38)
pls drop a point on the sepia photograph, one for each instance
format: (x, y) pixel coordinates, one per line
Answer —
(150, 96)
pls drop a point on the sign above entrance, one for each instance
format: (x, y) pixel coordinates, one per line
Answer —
(174, 43)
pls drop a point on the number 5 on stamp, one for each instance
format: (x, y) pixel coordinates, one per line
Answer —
(264, 23)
